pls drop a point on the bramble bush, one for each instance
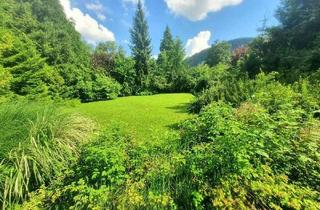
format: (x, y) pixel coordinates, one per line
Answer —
(248, 158)
(264, 89)
(113, 171)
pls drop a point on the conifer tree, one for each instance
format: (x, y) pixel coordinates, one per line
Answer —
(30, 74)
(178, 55)
(166, 47)
(167, 42)
(5, 78)
(140, 46)
(171, 58)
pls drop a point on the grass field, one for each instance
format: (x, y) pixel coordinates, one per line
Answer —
(141, 116)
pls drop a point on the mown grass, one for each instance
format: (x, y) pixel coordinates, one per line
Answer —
(141, 116)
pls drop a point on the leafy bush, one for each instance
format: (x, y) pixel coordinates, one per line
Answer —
(219, 83)
(106, 88)
(259, 150)
(264, 89)
(220, 52)
(248, 158)
(114, 172)
(102, 88)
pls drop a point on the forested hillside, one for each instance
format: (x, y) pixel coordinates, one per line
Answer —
(236, 126)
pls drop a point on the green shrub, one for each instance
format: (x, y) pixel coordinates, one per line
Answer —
(250, 157)
(101, 88)
(264, 89)
(106, 88)
(30, 74)
(261, 154)
(220, 83)
(114, 172)
(159, 84)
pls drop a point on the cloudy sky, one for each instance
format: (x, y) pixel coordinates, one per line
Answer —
(197, 22)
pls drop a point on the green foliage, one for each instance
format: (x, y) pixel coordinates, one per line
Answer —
(167, 41)
(249, 158)
(260, 155)
(30, 74)
(106, 88)
(220, 52)
(126, 75)
(112, 172)
(103, 57)
(110, 60)
(219, 83)
(234, 90)
(293, 46)
(5, 81)
(15, 124)
(44, 53)
(140, 46)
(171, 68)
(101, 88)
(254, 144)
(201, 57)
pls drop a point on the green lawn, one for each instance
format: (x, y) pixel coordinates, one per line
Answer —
(142, 116)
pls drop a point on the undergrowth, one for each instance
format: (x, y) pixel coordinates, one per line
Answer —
(48, 140)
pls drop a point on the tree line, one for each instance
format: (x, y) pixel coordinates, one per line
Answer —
(42, 55)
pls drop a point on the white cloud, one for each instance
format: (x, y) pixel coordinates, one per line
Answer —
(87, 26)
(132, 1)
(198, 43)
(98, 8)
(101, 16)
(196, 10)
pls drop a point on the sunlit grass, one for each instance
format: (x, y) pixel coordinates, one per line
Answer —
(141, 116)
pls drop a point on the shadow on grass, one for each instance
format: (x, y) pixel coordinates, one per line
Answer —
(182, 108)
(175, 126)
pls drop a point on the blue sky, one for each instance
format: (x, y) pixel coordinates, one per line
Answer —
(198, 23)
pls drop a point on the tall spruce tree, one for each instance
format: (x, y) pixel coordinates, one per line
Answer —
(171, 58)
(140, 46)
(167, 42)
(164, 60)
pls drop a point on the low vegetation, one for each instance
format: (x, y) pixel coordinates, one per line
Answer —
(43, 143)
(258, 154)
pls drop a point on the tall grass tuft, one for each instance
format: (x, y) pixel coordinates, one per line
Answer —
(50, 146)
